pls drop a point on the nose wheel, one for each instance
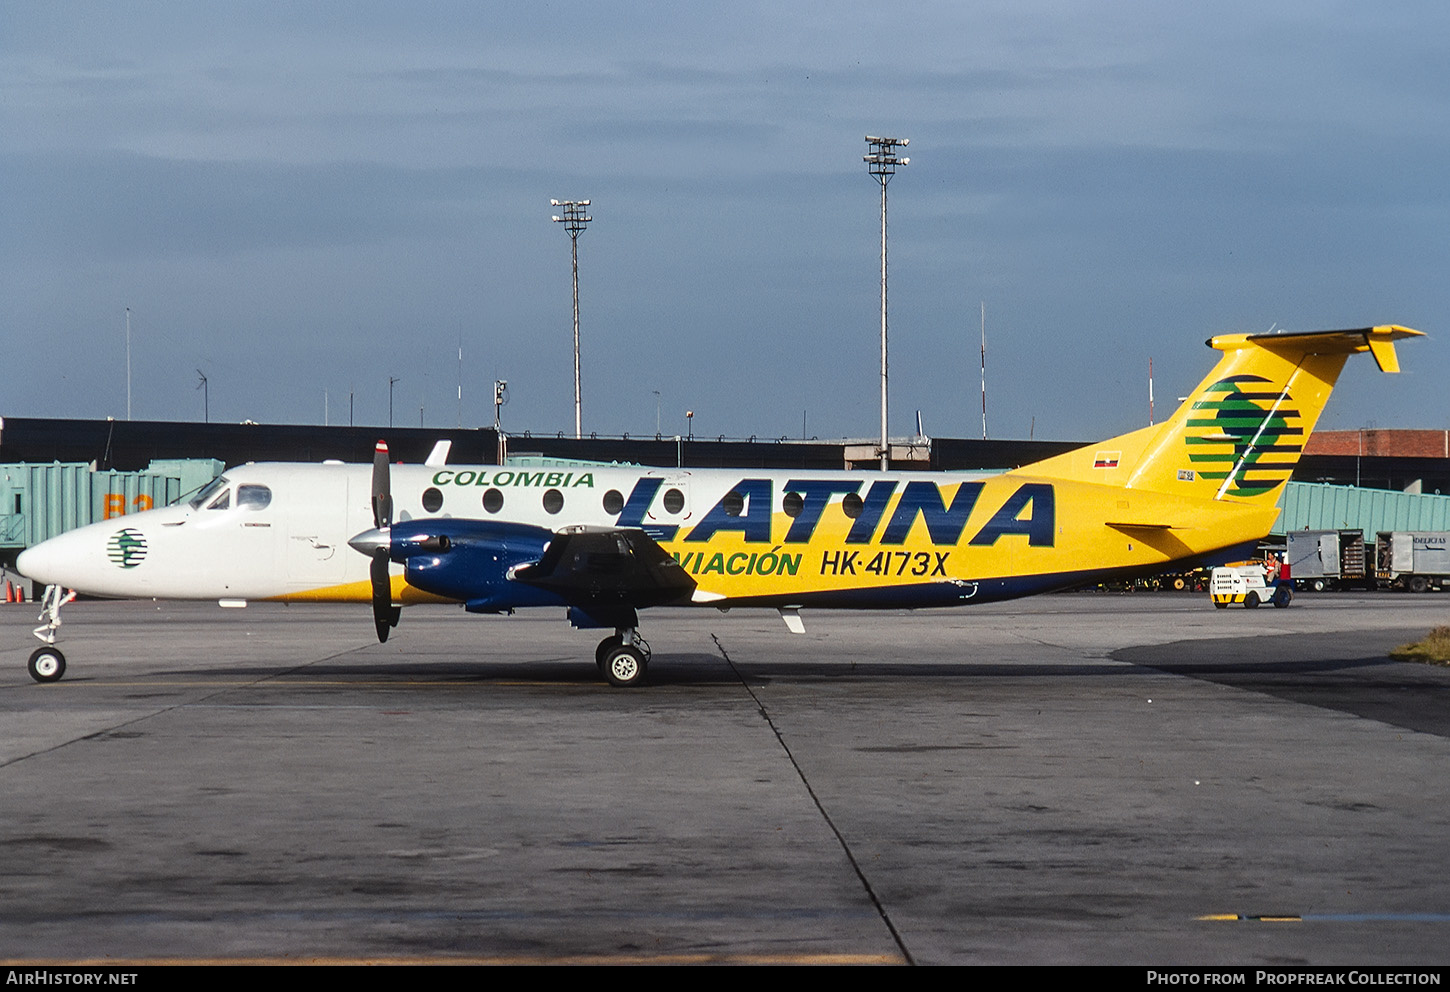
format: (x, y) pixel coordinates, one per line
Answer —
(46, 664)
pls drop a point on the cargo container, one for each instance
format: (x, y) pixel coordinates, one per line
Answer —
(1415, 560)
(1328, 559)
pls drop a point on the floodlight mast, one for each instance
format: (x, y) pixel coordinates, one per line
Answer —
(500, 397)
(881, 162)
(575, 219)
(128, 363)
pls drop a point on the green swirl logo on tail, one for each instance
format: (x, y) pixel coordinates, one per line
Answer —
(1244, 430)
(126, 548)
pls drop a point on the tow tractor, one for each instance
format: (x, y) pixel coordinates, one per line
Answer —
(1250, 583)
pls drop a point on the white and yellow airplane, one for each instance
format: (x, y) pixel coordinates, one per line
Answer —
(605, 542)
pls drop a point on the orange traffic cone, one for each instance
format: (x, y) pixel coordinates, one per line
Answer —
(9, 592)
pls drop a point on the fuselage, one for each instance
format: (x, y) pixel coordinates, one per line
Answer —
(279, 531)
(1199, 487)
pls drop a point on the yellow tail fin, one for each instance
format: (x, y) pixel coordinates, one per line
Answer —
(1240, 433)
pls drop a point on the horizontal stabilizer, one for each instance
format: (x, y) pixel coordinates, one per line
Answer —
(1378, 341)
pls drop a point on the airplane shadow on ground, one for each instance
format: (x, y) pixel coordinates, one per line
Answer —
(1281, 654)
(1316, 670)
(704, 669)
(439, 670)
(1346, 673)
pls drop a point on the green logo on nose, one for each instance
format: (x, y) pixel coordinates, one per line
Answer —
(126, 548)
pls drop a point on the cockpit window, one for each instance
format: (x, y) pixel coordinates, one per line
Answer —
(207, 492)
(221, 502)
(253, 497)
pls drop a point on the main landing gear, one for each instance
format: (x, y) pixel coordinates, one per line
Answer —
(47, 664)
(623, 659)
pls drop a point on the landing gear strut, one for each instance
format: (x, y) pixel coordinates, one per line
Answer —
(623, 659)
(47, 664)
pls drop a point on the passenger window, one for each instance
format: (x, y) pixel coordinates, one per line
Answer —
(674, 501)
(492, 500)
(254, 497)
(432, 499)
(613, 502)
(553, 501)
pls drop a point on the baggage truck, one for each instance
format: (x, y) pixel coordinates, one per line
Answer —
(1248, 583)
(1328, 559)
(1417, 560)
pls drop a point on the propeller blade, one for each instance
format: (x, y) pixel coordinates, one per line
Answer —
(382, 487)
(385, 614)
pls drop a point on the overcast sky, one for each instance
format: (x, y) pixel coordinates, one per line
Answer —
(304, 199)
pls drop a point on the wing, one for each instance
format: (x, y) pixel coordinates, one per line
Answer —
(497, 566)
(615, 566)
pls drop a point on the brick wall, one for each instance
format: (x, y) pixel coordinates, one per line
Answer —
(1383, 443)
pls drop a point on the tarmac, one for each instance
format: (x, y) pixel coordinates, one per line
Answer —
(1088, 778)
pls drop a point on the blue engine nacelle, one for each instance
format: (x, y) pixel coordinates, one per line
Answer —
(472, 561)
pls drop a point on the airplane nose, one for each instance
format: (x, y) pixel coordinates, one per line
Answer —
(55, 560)
(38, 562)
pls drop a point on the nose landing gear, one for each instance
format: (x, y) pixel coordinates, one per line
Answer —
(47, 664)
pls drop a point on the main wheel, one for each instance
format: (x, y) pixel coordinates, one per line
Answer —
(624, 666)
(605, 646)
(46, 664)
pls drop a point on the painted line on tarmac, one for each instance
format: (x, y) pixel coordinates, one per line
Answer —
(1327, 918)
